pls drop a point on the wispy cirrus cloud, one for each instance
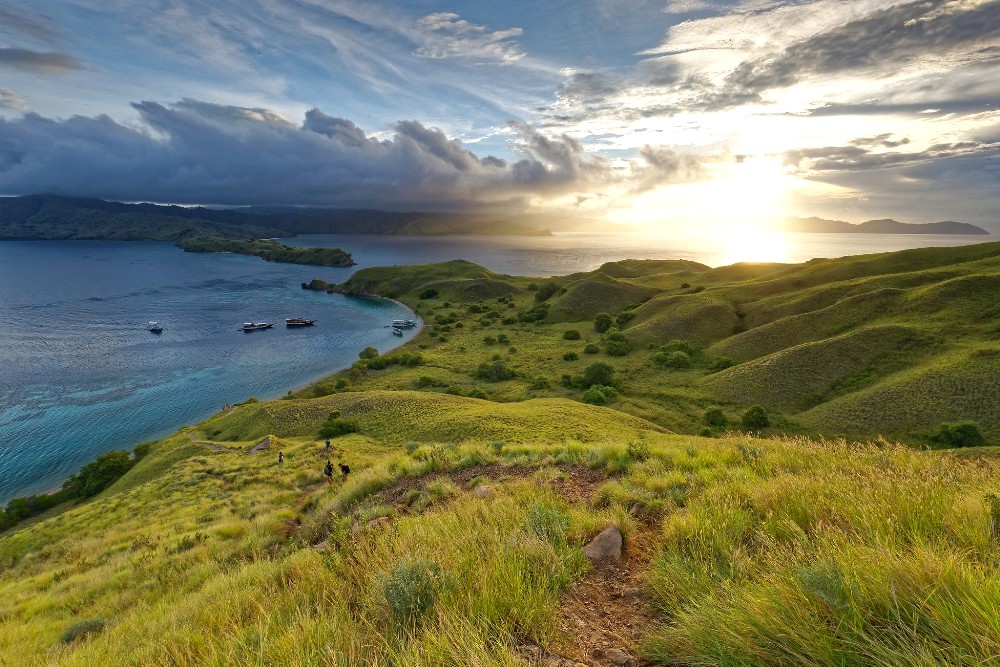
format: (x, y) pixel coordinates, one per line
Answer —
(11, 100)
(447, 35)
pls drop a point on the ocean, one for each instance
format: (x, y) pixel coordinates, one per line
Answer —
(81, 375)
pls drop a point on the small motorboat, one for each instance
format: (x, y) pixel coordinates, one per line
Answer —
(396, 331)
(299, 322)
(255, 326)
(154, 328)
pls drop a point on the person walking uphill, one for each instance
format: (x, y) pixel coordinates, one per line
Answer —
(328, 471)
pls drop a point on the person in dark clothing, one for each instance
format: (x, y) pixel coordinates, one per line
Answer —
(328, 445)
(328, 471)
(345, 470)
(281, 457)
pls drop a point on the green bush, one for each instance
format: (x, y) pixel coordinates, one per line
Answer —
(571, 334)
(591, 348)
(476, 392)
(624, 317)
(617, 348)
(571, 356)
(98, 474)
(535, 314)
(546, 291)
(429, 293)
(600, 395)
(755, 418)
(603, 322)
(496, 371)
(675, 359)
(540, 382)
(599, 373)
(678, 346)
(959, 434)
(82, 629)
(368, 353)
(503, 339)
(412, 587)
(715, 417)
(334, 428)
(721, 363)
(638, 450)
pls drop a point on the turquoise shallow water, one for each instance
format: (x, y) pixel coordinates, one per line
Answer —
(80, 375)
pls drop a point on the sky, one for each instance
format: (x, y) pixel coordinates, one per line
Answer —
(667, 114)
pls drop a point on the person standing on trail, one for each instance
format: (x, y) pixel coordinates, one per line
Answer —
(328, 445)
(328, 471)
(281, 458)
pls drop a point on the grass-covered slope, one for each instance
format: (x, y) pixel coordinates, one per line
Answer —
(595, 294)
(697, 318)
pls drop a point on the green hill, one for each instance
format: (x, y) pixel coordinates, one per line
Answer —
(486, 453)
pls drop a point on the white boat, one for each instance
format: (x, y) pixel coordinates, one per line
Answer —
(254, 326)
(154, 328)
(401, 324)
(396, 331)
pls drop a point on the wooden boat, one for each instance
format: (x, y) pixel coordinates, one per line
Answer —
(254, 326)
(154, 328)
(299, 322)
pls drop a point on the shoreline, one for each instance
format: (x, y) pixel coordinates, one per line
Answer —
(275, 397)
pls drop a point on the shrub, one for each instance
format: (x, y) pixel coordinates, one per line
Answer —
(571, 356)
(342, 384)
(98, 474)
(637, 450)
(334, 428)
(678, 345)
(503, 340)
(546, 291)
(715, 417)
(571, 334)
(603, 322)
(591, 348)
(476, 393)
(429, 293)
(379, 363)
(721, 363)
(496, 371)
(82, 629)
(624, 318)
(617, 348)
(675, 359)
(540, 382)
(599, 373)
(412, 587)
(959, 434)
(489, 340)
(368, 353)
(600, 395)
(536, 314)
(755, 418)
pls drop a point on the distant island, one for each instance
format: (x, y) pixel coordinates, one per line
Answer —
(883, 226)
(267, 249)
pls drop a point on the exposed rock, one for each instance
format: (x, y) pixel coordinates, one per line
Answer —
(322, 546)
(635, 509)
(261, 446)
(619, 658)
(484, 491)
(606, 548)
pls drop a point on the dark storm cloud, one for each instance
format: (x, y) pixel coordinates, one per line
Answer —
(38, 62)
(880, 41)
(195, 152)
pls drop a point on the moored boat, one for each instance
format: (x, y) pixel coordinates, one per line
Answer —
(401, 324)
(299, 322)
(254, 326)
(396, 331)
(154, 328)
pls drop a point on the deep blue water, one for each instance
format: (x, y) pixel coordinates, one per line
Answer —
(80, 375)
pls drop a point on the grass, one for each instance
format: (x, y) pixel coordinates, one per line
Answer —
(771, 550)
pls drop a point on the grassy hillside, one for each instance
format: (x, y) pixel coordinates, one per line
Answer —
(488, 451)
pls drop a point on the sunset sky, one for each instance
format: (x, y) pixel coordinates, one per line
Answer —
(670, 113)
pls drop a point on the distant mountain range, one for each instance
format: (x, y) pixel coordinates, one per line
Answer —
(884, 226)
(56, 217)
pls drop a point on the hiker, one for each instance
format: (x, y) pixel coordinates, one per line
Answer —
(281, 458)
(328, 445)
(328, 471)
(345, 470)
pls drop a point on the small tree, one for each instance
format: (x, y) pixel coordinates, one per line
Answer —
(496, 371)
(960, 434)
(571, 334)
(755, 418)
(368, 353)
(429, 293)
(675, 359)
(99, 474)
(603, 322)
(715, 417)
(599, 373)
(591, 348)
(546, 291)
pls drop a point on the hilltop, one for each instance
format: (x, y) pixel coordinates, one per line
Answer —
(526, 419)
(883, 226)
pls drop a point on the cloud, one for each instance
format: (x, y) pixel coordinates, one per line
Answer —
(687, 6)
(447, 35)
(38, 62)
(865, 154)
(13, 23)
(196, 152)
(12, 101)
